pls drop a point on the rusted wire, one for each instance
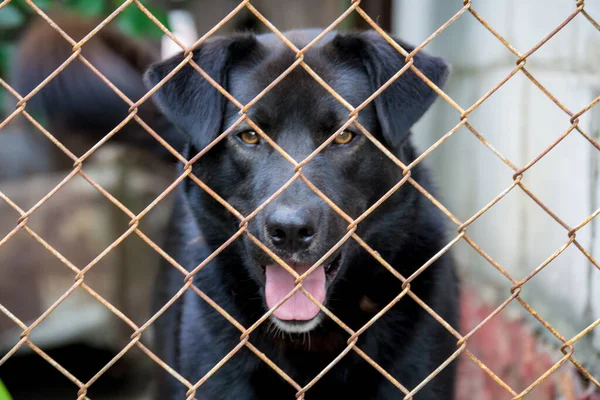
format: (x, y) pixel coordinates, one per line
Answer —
(187, 277)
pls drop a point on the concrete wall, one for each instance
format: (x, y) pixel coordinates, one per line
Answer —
(519, 121)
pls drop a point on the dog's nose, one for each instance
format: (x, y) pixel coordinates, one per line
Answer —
(292, 229)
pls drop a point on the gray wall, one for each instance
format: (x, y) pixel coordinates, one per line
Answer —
(520, 122)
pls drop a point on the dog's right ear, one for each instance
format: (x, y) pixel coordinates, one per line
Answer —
(187, 99)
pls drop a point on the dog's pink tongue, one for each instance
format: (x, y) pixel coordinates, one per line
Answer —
(298, 307)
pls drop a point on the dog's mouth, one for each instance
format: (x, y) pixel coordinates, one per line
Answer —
(298, 311)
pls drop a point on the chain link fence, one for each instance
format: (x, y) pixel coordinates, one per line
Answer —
(468, 10)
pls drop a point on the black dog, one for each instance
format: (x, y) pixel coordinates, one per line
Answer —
(298, 226)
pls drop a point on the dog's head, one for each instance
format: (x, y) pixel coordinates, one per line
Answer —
(299, 115)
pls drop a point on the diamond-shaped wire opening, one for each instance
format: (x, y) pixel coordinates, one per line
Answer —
(26, 152)
(516, 94)
(548, 169)
(576, 288)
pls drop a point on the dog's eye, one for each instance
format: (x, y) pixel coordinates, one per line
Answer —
(249, 137)
(344, 138)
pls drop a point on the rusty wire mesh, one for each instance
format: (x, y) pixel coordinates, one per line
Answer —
(468, 8)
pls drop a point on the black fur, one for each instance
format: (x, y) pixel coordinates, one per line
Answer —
(406, 230)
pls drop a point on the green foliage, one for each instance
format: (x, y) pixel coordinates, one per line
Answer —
(11, 17)
(135, 23)
(4, 395)
(88, 8)
(15, 13)
(6, 51)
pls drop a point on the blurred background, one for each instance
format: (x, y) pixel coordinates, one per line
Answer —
(519, 121)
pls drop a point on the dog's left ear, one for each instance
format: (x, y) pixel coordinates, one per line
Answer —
(402, 104)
